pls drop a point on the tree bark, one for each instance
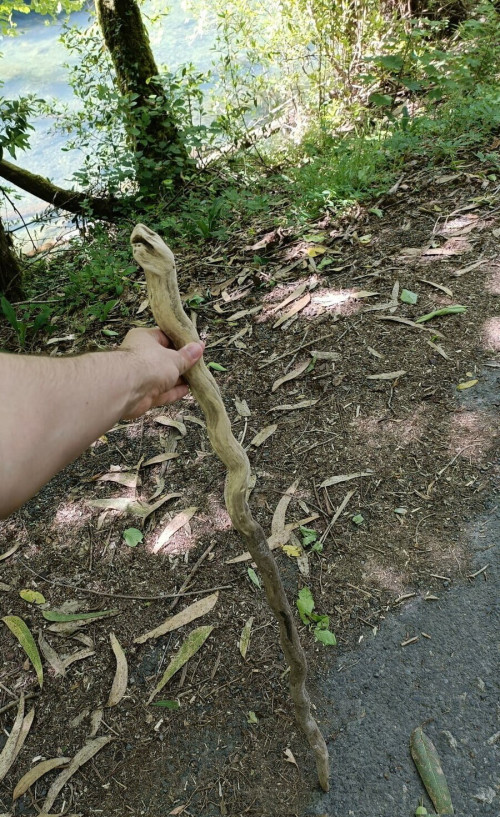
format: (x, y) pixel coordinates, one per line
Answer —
(153, 133)
(74, 201)
(10, 268)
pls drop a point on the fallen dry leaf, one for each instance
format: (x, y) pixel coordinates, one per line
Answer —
(407, 322)
(444, 289)
(296, 308)
(194, 611)
(175, 524)
(439, 349)
(386, 375)
(167, 421)
(300, 369)
(120, 681)
(278, 520)
(127, 478)
(327, 483)
(160, 458)
(83, 756)
(263, 435)
(9, 753)
(244, 642)
(50, 655)
(36, 772)
(242, 407)
(289, 757)
(293, 406)
(10, 551)
(292, 297)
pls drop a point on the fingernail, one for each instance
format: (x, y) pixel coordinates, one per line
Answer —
(195, 350)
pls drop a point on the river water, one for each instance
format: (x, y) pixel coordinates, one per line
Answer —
(33, 63)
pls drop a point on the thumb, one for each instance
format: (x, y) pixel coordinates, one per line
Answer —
(188, 355)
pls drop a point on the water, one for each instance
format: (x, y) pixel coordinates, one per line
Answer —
(32, 63)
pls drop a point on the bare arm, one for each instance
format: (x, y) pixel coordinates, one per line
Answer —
(52, 409)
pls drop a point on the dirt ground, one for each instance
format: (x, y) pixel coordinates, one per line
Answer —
(377, 404)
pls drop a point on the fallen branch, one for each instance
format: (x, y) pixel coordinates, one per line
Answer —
(158, 263)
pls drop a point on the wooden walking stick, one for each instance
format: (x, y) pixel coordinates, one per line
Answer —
(158, 263)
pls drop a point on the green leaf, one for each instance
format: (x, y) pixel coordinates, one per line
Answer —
(305, 605)
(309, 535)
(55, 615)
(408, 297)
(429, 768)
(191, 645)
(216, 367)
(376, 211)
(252, 575)
(167, 704)
(32, 596)
(132, 537)
(381, 100)
(252, 717)
(325, 636)
(110, 333)
(358, 519)
(446, 310)
(9, 313)
(393, 62)
(20, 630)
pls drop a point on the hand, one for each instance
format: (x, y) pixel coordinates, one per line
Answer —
(157, 374)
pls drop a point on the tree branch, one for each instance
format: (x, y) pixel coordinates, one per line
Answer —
(74, 201)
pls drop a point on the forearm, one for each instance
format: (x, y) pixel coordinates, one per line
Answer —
(51, 410)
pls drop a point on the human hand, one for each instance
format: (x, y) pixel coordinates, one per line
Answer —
(156, 376)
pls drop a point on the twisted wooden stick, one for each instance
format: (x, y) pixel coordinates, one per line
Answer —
(158, 263)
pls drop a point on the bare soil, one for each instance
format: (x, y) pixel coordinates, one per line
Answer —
(428, 464)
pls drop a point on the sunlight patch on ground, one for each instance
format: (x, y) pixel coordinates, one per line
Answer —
(472, 433)
(385, 577)
(492, 284)
(381, 430)
(71, 515)
(491, 334)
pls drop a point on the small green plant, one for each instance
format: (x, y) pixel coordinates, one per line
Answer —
(305, 606)
(310, 539)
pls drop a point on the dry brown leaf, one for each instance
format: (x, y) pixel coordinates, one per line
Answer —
(85, 754)
(120, 680)
(292, 297)
(300, 369)
(36, 772)
(51, 655)
(444, 289)
(190, 418)
(95, 722)
(167, 421)
(175, 524)
(363, 293)
(5, 587)
(292, 406)
(439, 349)
(296, 308)
(10, 551)
(290, 758)
(25, 728)
(77, 656)
(319, 355)
(9, 753)
(126, 478)
(344, 478)
(278, 521)
(186, 616)
(159, 458)
(407, 322)
(242, 407)
(244, 642)
(386, 375)
(457, 273)
(237, 316)
(263, 435)
(374, 352)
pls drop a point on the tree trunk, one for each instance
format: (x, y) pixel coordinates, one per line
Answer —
(10, 268)
(153, 134)
(72, 200)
